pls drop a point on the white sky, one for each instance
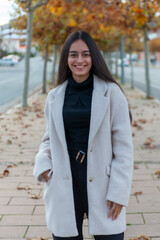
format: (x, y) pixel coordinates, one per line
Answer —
(6, 8)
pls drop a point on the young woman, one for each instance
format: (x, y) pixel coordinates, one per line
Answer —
(85, 156)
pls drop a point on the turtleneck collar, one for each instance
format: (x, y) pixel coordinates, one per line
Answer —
(81, 85)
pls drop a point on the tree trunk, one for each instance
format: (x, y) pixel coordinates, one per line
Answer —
(110, 61)
(116, 64)
(131, 66)
(45, 70)
(148, 85)
(27, 58)
(54, 64)
(122, 61)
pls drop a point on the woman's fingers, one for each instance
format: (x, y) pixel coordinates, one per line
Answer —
(45, 175)
(115, 209)
(109, 204)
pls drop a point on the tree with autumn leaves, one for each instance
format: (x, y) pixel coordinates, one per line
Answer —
(142, 16)
(105, 20)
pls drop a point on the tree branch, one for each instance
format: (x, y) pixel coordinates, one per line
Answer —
(40, 3)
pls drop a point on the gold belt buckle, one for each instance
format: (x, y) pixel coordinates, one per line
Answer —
(83, 156)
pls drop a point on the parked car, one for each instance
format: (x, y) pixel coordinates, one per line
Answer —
(7, 62)
(125, 62)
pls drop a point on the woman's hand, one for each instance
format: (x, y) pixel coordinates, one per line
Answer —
(45, 175)
(114, 208)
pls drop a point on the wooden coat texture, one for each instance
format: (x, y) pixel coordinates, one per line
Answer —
(109, 162)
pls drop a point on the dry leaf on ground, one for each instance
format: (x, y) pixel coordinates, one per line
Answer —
(9, 141)
(136, 167)
(142, 120)
(138, 193)
(4, 174)
(34, 196)
(141, 237)
(24, 188)
(12, 165)
(157, 173)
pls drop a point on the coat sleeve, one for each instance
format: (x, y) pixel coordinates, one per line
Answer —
(43, 157)
(122, 150)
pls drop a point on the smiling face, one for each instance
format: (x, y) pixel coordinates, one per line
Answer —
(79, 60)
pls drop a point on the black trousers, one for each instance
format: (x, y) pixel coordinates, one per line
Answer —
(79, 176)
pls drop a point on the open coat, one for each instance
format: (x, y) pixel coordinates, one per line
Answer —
(109, 162)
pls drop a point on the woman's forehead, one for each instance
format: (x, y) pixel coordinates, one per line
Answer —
(79, 45)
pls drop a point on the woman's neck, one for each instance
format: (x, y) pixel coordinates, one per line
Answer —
(80, 79)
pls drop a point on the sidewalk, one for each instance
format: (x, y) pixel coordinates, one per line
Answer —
(22, 214)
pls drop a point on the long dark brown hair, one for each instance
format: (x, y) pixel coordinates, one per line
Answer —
(99, 66)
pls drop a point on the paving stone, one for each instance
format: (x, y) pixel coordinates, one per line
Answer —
(145, 190)
(23, 220)
(12, 238)
(85, 232)
(18, 193)
(142, 177)
(154, 198)
(12, 232)
(135, 219)
(38, 232)
(4, 200)
(8, 210)
(148, 230)
(26, 201)
(145, 207)
(37, 186)
(5, 185)
(39, 210)
(152, 218)
(20, 179)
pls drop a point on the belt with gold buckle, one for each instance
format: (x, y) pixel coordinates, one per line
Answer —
(78, 155)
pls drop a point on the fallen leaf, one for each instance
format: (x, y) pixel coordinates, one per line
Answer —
(12, 165)
(6, 173)
(152, 146)
(157, 173)
(136, 167)
(9, 141)
(24, 188)
(27, 125)
(142, 120)
(137, 193)
(34, 196)
(141, 237)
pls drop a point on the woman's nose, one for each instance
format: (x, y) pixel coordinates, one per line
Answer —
(79, 59)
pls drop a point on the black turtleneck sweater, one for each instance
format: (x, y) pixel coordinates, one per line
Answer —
(76, 115)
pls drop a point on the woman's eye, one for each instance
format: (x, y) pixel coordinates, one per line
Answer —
(73, 55)
(86, 55)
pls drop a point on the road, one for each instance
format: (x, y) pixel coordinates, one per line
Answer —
(139, 78)
(12, 81)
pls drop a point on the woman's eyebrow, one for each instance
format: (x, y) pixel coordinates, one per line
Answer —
(76, 51)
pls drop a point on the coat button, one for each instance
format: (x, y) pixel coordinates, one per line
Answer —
(91, 179)
(91, 150)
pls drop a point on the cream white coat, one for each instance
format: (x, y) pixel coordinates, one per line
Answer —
(109, 166)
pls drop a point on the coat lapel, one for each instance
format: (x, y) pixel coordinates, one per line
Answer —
(57, 112)
(99, 106)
